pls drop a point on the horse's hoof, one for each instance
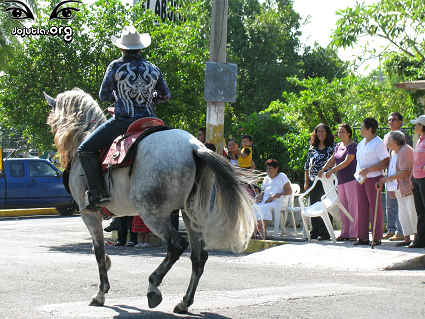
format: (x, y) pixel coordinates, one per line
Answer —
(154, 299)
(180, 308)
(97, 302)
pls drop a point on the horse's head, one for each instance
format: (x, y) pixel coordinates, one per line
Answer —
(73, 116)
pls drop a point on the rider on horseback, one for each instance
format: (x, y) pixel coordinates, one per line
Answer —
(134, 84)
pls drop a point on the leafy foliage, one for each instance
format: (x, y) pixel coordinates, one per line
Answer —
(400, 22)
(9, 43)
(282, 94)
(347, 100)
(323, 62)
(283, 130)
(50, 64)
(275, 135)
(263, 41)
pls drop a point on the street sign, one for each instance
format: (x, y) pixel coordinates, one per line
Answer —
(220, 82)
(159, 7)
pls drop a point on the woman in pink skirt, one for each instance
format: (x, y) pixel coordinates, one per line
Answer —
(344, 157)
(372, 158)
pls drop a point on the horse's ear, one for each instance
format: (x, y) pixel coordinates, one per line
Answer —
(51, 101)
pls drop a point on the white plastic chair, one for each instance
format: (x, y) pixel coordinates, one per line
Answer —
(329, 203)
(291, 208)
(285, 202)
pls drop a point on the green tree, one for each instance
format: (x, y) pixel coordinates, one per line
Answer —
(283, 130)
(277, 135)
(181, 50)
(263, 40)
(48, 63)
(400, 22)
(8, 42)
(323, 62)
(347, 100)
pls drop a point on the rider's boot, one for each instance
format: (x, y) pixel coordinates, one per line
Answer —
(96, 196)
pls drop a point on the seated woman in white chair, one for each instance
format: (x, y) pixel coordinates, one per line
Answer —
(273, 187)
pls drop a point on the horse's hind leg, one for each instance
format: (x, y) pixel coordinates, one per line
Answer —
(176, 245)
(198, 257)
(93, 222)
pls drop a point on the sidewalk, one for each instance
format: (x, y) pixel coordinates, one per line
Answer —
(295, 251)
(292, 250)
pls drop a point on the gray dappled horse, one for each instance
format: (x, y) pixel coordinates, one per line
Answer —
(172, 170)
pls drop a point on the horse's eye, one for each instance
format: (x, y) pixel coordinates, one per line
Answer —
(19, 12)
(64, 13)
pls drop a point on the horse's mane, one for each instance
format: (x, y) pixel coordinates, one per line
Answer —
(75, 115)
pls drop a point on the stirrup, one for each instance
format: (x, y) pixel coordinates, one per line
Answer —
(96, 204)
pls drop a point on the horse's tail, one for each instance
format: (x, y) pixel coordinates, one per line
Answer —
(230, 222)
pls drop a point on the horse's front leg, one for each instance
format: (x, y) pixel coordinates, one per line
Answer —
(93, 221)
(176, 245)
(199, 257)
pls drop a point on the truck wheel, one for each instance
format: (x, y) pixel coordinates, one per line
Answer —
(66, 210)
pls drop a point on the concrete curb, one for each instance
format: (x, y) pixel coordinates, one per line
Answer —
(410, 264)
(27, 212)
(254, 245)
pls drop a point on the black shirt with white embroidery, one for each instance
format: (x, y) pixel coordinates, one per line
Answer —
(316, 159)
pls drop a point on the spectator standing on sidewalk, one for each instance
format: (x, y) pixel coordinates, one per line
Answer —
(399, 184)
(394, 229)
(344, 158)
(138, 226)
(125, 226)
(321, 149)
(419, 181)
(372, 159)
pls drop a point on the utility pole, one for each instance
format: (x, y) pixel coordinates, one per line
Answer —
(218, 41)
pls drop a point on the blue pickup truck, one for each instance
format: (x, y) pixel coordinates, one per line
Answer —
(33, 183)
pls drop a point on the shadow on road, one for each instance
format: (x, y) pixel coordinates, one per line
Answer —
(134, 312)
(86, 248)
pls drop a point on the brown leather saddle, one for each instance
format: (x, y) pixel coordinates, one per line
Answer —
(121, 152)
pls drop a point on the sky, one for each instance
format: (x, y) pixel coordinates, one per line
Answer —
(323, 20)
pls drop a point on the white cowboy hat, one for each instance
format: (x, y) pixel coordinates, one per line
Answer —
(131, 39)
(420, 120)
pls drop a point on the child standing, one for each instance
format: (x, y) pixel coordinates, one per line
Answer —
(140, 227)
(245, 156)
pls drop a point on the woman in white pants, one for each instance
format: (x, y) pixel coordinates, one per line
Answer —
(399, 183)
(273, 187)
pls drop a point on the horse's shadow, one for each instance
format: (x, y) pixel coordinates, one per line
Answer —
(86, 248)
(125, 311)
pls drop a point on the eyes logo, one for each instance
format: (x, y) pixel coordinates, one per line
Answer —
(22, 11)
(18, 13)
(65, 12)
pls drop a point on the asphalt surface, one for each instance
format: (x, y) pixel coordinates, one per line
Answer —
(48, 271)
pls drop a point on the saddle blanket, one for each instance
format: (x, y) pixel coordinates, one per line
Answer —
(117, 152)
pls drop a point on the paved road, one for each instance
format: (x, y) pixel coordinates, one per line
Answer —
(49, 271)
